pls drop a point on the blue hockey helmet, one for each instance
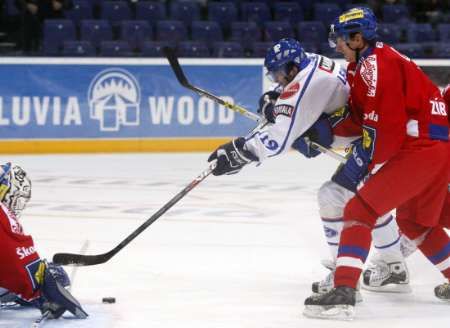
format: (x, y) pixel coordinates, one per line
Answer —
(358, 19)
(282, 54)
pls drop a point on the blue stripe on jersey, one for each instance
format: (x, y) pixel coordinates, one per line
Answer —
(440, 256)
(354, 251)
(308, 79)
(438, 132)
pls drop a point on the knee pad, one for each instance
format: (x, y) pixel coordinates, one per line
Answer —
(360, 211)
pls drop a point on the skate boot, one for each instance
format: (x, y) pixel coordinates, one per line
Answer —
(443, 291)
(337, 304)
(386, 277)
(327, 284)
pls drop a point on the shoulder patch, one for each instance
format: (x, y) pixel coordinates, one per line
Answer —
(369, 74)
(283, 109)
(326, 64)
(290, 91)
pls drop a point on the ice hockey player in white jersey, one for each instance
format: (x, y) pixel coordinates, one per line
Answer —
(311, 89)
(312, 85)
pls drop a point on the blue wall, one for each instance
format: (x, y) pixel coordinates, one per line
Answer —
(122, 99)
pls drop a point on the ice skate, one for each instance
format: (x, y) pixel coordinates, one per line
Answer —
(443, 292)
(385, 277)
(327, 284)
(337, 304)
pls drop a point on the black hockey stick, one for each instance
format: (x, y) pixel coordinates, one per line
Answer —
(85, 260)
(173, 61)
(181, 77)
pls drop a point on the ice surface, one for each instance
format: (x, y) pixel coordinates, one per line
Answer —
(237, 252)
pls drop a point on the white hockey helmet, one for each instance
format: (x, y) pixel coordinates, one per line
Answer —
(15, 188)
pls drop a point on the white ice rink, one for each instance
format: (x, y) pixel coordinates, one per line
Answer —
(237, 252)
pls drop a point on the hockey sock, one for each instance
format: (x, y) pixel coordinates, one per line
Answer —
(332, 229)
(386, 239)
(353, 250)
(354, 245)
(436, 247)
(332, 199)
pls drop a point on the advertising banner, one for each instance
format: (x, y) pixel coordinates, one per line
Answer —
(110, 101)
(131, 104)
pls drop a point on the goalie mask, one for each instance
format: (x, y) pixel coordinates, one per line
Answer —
(15, 188)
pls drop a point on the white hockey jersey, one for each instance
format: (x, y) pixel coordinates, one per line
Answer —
(321, 87)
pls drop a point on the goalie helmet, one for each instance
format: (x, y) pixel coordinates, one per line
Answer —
(15, 188)
(359, 19)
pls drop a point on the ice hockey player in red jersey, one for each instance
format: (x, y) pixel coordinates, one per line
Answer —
(22, 271)
(446, 95)
(402, 156)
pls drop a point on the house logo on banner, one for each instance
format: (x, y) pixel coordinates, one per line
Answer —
(114, 99)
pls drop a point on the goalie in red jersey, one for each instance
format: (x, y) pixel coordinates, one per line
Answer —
(23, 274)
(401, 160)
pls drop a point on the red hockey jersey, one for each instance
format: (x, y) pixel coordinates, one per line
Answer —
(347, 123)
(446, 95)
(395, 99)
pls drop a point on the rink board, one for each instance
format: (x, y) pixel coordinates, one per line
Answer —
(101, 105)
(108, 145)
(64, 105)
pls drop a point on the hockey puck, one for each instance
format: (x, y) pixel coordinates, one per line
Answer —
(109, 300)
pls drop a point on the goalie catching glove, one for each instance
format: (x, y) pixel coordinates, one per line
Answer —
(231, 157)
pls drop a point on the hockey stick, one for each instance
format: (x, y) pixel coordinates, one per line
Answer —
(83, 251)
(40, 321)
(181, 77)
(85, 260)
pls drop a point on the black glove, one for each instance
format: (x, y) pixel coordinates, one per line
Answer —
(266, 104)
(231, 157)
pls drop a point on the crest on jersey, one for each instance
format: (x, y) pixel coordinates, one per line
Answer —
(290, 91)
(114, 99)
(368, 142)
(369, 74)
